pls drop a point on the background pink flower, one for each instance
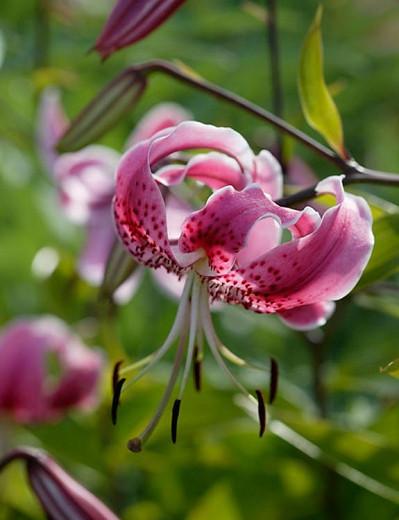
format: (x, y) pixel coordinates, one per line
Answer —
(45, 370)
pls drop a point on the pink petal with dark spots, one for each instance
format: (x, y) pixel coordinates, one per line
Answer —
(323, 265)
(221, 228)
(140, 213)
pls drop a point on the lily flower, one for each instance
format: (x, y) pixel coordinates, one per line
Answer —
(29, 390)
(230, 249)
(132, 20)
(59, 494)
(86, 182)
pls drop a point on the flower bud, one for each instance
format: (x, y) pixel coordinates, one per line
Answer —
(132, 20)
(59, 494)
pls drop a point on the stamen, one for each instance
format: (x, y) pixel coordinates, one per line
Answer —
(195, 303)
(117, 385)
(175, 417)
(261, 412)
(115, 374)
(172, 336)
(197, 369)
(136, 443)
(116, 400)
(212, 340)
(273, 380)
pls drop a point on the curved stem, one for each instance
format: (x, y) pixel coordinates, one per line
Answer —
(165, 67)
(353, 171)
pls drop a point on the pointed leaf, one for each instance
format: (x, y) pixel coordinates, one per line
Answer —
(318, 106)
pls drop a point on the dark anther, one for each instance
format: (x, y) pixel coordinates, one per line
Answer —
(261, 412)
(115, 400)
(175, 417)
(116, 391)
(197, 370)
(115, 374)
(134, 445)
(273, 380)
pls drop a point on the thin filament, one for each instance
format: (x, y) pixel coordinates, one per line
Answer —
(143, 437)
(195, 304)
(212, 340)
(172, 336)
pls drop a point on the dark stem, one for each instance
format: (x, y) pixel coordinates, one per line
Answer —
(353, 171)
(361, 176)
(42, 34)
(221, 93)
(275, 72)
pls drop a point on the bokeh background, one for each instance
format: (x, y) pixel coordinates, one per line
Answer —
(219, 467)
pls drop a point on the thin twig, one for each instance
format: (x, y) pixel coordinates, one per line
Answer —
(353, 171)
(366, 177)
(226, 95)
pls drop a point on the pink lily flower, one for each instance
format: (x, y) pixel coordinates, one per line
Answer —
(132, 20)
(29, 392)
(59, 494)
(229, 249)
(86, 183)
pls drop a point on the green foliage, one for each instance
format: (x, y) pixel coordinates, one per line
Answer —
(219, 467)
(317, 103)
(385, 257)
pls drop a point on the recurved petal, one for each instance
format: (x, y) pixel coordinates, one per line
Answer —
(321, 266)
(221, 228)
(140, 213)
(132, 20)
(213, 169)
(164, 115)
(308, 317)
(267, 173)
(191, 134)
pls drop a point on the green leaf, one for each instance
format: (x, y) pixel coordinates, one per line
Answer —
(385, 257)
(317, 104)
(392, 368)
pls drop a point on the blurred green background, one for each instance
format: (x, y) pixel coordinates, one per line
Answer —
(219, 467)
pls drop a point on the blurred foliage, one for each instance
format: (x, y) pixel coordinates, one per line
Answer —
(219, 468)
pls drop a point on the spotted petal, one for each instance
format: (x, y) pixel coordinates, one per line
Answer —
(321, 266)
(140, 213)
(221, 228)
